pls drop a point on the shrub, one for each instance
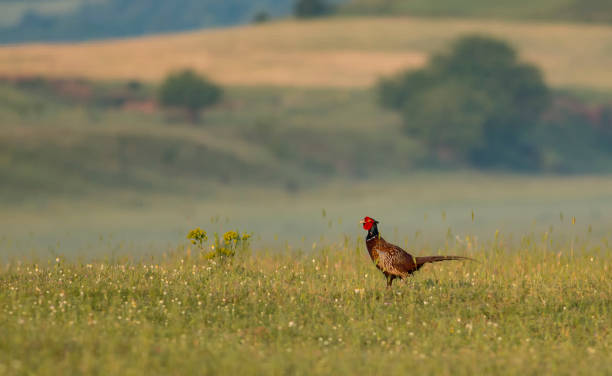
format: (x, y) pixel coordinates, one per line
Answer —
(475, 103)
(189, 91)
(311, 8)
(261, 17)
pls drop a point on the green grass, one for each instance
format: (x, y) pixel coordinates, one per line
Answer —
(281, 138)
(105, 193)
(421, 211)
(264, 136)
(269, 160)
(536, 307)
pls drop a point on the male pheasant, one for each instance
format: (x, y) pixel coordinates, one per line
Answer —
(390, 259)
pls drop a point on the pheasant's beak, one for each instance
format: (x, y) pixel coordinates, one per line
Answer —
(362, 221)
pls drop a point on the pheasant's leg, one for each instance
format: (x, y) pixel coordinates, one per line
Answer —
(389, 281)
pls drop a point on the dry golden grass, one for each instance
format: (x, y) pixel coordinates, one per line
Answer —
(333, 52)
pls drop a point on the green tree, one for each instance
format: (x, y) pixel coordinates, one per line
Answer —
(476, 103)
(261, 17)
(311, 8)
(189, 91)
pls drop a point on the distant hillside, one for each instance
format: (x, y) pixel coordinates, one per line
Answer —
(76, 20)
(334, 52)
(55, 20)
(75, 137)
(12, 11)
(567, 10)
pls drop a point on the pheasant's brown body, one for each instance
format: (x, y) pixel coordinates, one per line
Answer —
(393, 261)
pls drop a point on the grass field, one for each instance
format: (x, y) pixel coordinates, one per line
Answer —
(49, 147)
(422, 211)
(574, 10)
(266, 159)
(537, 307)
(281, 139)
(331, 52)
(96, 276)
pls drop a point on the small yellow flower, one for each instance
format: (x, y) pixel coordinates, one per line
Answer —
(197, 236)
(230, 235)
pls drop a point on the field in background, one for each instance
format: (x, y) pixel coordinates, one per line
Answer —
(267, 160)
(52, 148)
(11, 11)
(422, 212)
(574, 10)
(330, 52)
(69, 20)
(538, 308)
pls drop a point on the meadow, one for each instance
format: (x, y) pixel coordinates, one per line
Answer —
(337, 52)
(97, 277)
(537, 305)
(268, 160)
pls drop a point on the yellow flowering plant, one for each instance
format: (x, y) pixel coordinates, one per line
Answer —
(227, 246)
(197, 236)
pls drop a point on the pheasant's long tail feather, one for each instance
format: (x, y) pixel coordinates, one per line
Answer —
(420, 261)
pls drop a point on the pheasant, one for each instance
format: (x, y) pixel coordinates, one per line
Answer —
(390, 259)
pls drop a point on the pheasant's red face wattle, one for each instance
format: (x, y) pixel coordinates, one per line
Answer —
(368, 223)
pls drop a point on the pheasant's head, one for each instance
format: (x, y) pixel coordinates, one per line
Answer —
(368, 223)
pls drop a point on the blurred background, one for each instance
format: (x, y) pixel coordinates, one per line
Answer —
(123, 124)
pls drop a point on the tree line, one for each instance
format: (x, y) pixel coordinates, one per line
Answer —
(479, 105)
(118, 18)
(475, 105)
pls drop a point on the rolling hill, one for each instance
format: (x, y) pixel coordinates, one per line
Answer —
(53, 20)
(13, 11)
(567, 10)
(72, 20)
(340, 52)
(319, 126)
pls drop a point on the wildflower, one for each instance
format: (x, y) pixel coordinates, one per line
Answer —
(230, 235)
(196, 234)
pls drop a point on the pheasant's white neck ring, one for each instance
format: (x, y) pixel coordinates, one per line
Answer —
(372, 233)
